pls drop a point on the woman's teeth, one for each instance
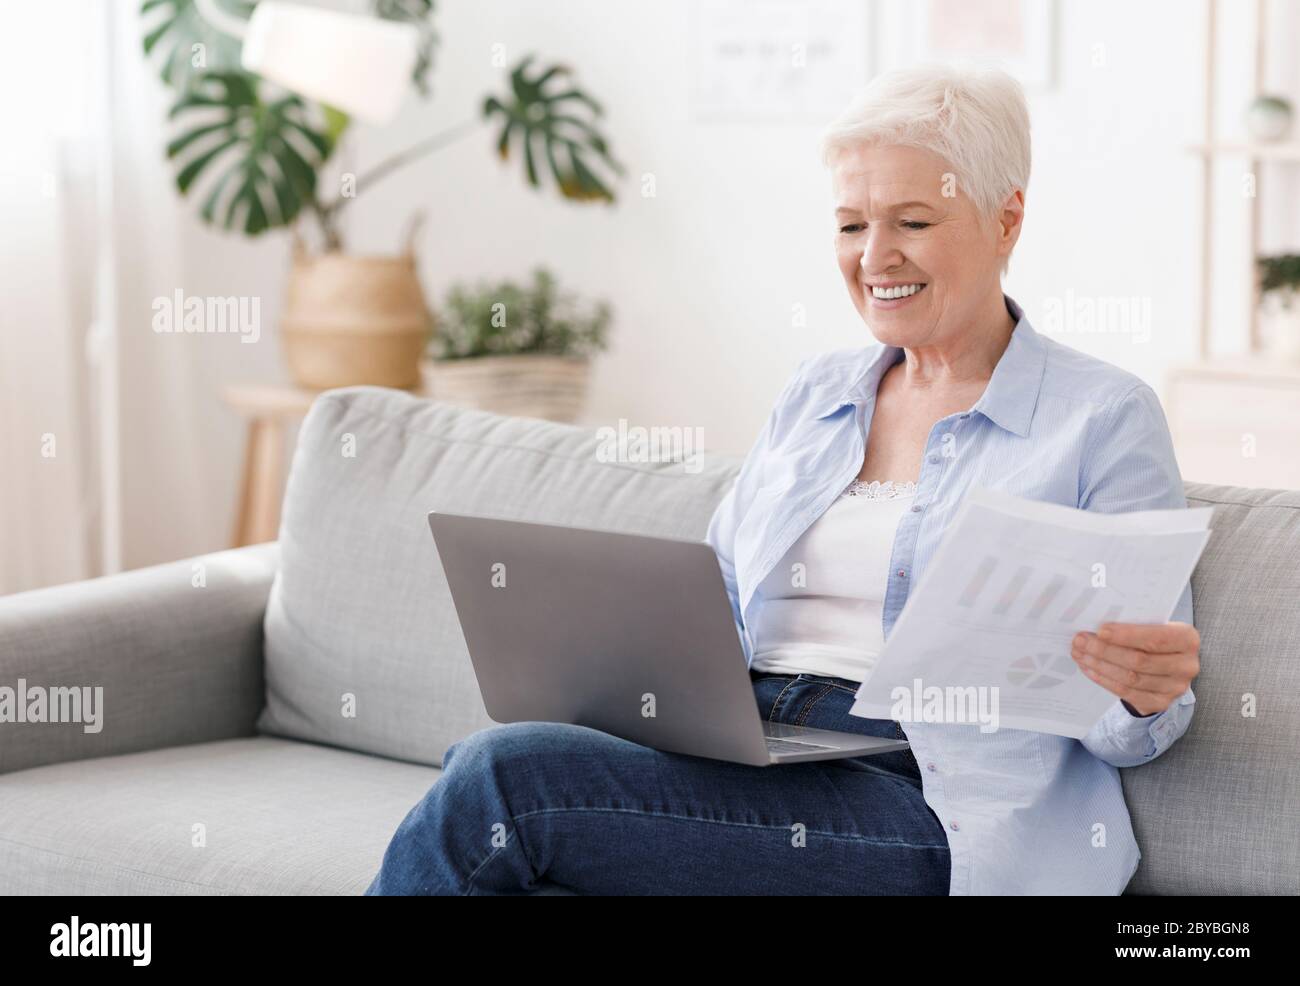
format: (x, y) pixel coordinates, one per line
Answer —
(902, 291)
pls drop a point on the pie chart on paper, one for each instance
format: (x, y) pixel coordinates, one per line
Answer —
(1041, 670)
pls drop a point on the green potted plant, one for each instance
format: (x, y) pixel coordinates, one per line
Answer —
(256, 155)
(1279, 291)
(517, 349)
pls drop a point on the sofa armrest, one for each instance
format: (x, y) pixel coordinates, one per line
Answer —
(176, 649)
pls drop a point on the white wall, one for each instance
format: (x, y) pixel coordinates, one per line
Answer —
(703, 276)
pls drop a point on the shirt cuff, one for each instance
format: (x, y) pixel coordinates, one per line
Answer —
(1134, 735)
(1125, 740)
(1134, 712)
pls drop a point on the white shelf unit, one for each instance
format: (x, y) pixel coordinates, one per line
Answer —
(1235, 420)
(1211, 150)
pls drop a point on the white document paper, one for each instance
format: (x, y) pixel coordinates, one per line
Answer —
(990, 623)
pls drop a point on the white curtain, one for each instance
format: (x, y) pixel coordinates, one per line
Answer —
(101, 426)
(50, 485)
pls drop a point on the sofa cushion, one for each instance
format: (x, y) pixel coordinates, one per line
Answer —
(363, 648)
(279, 817)
(1219, 813)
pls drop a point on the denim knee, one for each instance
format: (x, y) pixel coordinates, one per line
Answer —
(506, 741)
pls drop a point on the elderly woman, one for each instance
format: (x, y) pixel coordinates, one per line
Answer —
(861, 465)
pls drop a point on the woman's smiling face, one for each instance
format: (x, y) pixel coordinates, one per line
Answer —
(918, 258)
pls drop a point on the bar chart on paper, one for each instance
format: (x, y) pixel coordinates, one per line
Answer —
(1010, 585)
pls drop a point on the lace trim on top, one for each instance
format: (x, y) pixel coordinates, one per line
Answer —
(877, 490)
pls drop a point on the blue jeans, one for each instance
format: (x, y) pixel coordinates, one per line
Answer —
(528, 804)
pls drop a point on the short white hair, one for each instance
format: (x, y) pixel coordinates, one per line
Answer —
(975, 120)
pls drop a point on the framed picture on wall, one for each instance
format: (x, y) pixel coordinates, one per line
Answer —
(776, 60)
(1018, 36)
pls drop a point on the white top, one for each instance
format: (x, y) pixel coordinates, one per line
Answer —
(822, 604)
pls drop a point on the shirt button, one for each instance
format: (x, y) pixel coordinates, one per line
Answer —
(902, 574)
(916, 508)
(931, 767)
(954, 826)
(965, 416)
(934, 458)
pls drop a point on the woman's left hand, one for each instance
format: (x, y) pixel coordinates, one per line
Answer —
(1148, 665)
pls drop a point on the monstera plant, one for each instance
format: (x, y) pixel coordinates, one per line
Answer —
(253, 155)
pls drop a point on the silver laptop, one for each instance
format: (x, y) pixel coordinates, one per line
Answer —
(627, 634)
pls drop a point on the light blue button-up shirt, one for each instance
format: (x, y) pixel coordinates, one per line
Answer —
(1024, 812)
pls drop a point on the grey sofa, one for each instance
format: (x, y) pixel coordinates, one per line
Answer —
(270, 714)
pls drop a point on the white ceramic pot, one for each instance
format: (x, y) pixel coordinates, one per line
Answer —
(1269, 118)
(1279, 324)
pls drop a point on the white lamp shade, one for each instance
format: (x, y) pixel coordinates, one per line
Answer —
(361, 65)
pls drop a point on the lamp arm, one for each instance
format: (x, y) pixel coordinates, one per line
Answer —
(402, 158)
(221, 21)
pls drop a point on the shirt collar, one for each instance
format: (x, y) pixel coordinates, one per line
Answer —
(1008, 400)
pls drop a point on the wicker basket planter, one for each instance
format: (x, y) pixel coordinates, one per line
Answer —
(525, 385)
(354, 320)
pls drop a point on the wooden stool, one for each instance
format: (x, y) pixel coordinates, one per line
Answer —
(270, 409)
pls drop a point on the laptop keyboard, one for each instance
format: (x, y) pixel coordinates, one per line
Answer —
(793, 746)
